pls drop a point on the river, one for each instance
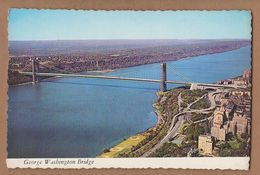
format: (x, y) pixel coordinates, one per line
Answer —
(79, 117)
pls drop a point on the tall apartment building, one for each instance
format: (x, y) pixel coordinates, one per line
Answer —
(239, 124)
(218, 130)
(205, 144)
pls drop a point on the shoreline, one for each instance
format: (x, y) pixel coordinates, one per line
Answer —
(111, 70)
(27, 83)
(155, 111)
(141, 133)
(158, 116)
(54, 77)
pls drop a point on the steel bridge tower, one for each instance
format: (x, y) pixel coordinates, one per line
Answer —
(35, 69)
(163, 85)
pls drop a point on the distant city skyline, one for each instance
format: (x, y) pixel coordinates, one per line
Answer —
(33, 24)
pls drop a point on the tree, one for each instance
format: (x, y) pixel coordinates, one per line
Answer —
(106, 150)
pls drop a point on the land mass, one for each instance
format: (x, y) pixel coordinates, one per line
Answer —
(101, 55)
(195, 123)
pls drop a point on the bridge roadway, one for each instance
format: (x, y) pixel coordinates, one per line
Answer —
(129, 79)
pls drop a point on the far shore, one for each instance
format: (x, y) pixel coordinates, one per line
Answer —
(111, 70)
(93, 72)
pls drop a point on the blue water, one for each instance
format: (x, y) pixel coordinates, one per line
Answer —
(78, 117)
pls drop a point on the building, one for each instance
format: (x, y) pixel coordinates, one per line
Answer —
(218, 130)
(239, 124)
(241, 93)
(205, 144)
(247, 77)
(219, 116)
(229, 110)
(239, 82)
(218, 133)
(225, 82)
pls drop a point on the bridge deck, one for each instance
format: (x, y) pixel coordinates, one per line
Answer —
(128, 78)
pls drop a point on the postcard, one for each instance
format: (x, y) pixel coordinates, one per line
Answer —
(129, 89)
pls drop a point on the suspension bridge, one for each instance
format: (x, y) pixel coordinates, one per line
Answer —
(36, 74)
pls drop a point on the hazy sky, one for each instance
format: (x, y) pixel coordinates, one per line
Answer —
(31, 24)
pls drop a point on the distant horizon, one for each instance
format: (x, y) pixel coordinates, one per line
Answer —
(132, 39)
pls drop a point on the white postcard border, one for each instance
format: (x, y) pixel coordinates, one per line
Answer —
(223, 163)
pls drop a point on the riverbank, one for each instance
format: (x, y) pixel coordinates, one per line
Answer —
(124, 146)
(115, 63)
(27, 83)
(166, 110)
(49, 78)
(151, 136)
(196, 116)
(55, 104)
(127, 144)
(100, 71)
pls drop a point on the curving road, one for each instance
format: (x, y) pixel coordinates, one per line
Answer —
(178, 118)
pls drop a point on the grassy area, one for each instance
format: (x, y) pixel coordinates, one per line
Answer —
(170, 149)
(166, 106)
(201, 104)
(169, 108)
(235, 144)
(188, 96)
(193, 131)
(124, 146)
(183, 127)
(197, 116)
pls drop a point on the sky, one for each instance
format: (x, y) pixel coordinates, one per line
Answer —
(33, 24)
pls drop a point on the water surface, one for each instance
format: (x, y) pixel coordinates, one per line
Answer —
(79, 117)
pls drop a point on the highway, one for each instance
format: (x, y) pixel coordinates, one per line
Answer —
(172, 131)
(178, 118)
